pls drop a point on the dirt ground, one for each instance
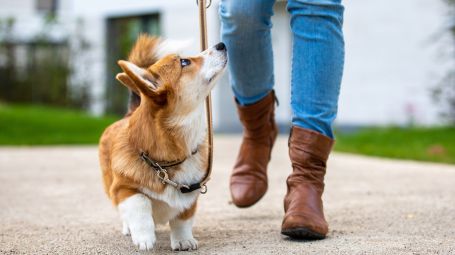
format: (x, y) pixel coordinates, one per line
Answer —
(52, 202)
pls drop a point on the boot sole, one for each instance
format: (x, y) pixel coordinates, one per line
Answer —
(302, 234)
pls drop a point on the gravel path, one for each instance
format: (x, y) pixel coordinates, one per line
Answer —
(52, 202)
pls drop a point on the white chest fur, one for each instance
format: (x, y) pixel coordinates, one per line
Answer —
(193, 127)
(168, 204)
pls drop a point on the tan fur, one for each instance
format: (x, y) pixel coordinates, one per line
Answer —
(127, 81)
(188, 213)
(142, 54)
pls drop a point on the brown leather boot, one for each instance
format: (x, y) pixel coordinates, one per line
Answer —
(249, 177)
(304, 213)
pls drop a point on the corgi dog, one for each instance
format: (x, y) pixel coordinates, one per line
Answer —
(154, 159)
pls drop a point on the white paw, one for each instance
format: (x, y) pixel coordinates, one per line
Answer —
(138, 221)
(184, 245)
(125, 229)
(144, 240)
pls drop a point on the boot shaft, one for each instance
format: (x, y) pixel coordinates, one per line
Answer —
(257, 119)
(308, 151)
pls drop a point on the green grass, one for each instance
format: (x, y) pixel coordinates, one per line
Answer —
(40, 125)
(435, 144)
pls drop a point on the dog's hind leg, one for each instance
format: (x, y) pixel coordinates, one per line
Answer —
(182, 235)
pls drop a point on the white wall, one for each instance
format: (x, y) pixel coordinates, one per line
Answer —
(393, 59)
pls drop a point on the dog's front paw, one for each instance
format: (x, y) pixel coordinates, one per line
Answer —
(184, 245)
(144, 240)
(135, 211)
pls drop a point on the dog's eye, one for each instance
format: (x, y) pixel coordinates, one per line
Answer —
(185, 62)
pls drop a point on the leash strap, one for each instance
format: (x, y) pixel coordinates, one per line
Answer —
(161, 169)
(202, 4)
(165, 164)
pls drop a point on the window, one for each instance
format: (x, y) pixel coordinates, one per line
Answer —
(122, 32)
(48, 7)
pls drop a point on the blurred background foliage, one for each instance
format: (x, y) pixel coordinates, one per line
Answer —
(444, 92)
(38, 71)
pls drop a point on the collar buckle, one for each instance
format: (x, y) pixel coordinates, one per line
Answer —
(164, 176)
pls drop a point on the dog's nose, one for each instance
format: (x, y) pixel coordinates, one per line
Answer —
(220, 46)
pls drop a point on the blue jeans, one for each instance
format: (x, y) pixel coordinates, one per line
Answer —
(317, 61)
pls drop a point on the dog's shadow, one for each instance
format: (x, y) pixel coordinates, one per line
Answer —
(114, 240)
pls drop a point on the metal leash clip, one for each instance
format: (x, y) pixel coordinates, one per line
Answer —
(164, 177)
(203, 189)
(207, 6)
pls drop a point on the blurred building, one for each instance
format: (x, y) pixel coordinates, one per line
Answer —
(394, 56)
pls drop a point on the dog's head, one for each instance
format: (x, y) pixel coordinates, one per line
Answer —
(175, 83)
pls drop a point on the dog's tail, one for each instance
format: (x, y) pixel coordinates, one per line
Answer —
(147, 51)
(143, 54)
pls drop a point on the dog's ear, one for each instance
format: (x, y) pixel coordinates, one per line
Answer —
(142, 80)
(124, 79)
